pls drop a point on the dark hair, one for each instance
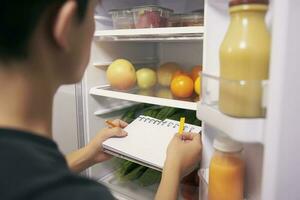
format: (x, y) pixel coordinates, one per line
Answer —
(18, 19)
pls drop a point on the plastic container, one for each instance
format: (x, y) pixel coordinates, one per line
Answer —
(122, 18)
(226, 171)
(175, 20)
(192, 19)
(151, 16)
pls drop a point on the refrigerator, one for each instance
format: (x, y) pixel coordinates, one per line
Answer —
(271, 149)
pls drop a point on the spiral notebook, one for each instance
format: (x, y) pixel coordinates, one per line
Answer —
(147, 141)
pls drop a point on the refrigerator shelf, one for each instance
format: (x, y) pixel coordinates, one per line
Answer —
(114, 108)
(146, 61)
(107, 91)
(194, 33)
(249, 130)
(129, 190)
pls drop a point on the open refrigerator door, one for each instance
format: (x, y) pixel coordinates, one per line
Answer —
(187, 46)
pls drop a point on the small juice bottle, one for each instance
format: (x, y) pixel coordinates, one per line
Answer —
(244, 59)
(226, 171)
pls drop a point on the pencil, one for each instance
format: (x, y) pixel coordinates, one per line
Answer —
(108, 122)
(181, 125)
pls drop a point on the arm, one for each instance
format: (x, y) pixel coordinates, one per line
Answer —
(93, 153)
(182, 154)
(80, 160)
(168, 188)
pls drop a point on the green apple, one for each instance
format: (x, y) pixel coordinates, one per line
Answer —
(146, 78)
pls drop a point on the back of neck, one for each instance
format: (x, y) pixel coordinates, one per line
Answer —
(26, 102)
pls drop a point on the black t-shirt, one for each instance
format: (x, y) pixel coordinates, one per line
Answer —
(32, 167)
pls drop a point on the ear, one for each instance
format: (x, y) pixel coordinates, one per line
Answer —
(63, 24)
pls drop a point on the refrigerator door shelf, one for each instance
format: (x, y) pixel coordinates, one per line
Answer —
(240, 129)
(132, 95)
(194, 33)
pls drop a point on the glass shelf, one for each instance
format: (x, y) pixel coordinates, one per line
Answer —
(194, 33)
(144, 96)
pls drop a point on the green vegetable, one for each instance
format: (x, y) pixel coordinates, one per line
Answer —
(150, 177)
(126, 168)
(135, 174)
(166, 112)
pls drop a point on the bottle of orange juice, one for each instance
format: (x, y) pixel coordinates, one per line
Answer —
(244, 59)
(226, 171)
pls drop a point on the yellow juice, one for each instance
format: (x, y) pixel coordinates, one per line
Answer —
(244, 61)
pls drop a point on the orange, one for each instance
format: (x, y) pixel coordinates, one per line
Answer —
(182, 86)
(197, 86)
(195, 71)
(180, 72)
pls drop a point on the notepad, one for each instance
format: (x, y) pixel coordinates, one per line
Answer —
(147, 141)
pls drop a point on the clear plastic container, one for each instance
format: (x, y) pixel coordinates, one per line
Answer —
(192, 19)
(151, 16)
(122, 18)
(175, 20)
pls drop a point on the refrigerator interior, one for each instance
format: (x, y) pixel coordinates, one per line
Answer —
(96, 108)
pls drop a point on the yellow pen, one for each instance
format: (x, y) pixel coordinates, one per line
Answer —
(181, 125)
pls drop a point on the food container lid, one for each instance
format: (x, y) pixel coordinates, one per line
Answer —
(192, 16)
(176, 15)
(126, 10)
(240, 2)
(151, 6)
(201, 11)
(225, 144)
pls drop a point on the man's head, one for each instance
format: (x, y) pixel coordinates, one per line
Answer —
(52, 37)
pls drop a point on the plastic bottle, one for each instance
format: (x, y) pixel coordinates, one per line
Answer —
(226, 171)
(244, 59)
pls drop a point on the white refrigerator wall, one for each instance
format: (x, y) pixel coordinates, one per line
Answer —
(65, 119)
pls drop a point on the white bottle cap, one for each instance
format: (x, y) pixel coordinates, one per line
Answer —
(225, 144)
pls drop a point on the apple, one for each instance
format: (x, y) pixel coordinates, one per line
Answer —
(146, 78)
(121, 74)
(165, 73)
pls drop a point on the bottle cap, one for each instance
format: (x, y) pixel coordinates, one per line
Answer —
(225, 144)
(240, 2)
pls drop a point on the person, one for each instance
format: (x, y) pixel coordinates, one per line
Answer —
(43, 45)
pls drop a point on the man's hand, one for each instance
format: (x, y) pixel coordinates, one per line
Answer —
(93, 153)
(184, 151)
(95, 146)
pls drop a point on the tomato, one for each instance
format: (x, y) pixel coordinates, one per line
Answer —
(195, 71)
(182, 86)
